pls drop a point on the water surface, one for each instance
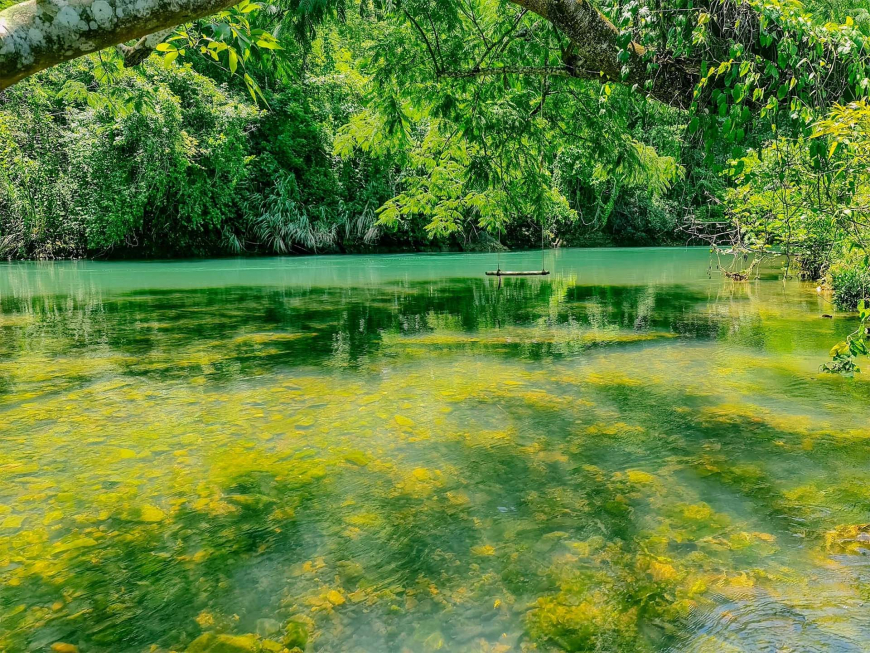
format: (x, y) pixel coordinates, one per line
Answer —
(396, 453)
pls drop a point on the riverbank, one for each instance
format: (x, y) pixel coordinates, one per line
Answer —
(489, 245)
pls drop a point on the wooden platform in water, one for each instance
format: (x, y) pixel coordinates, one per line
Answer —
(509, 273)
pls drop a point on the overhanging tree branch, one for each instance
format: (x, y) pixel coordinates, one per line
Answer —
(558, 71)
(38, 34)
(671, 80)
(501, 39)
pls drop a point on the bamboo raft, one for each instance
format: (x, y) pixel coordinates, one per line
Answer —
(517, 273)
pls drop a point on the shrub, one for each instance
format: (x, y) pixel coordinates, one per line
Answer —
(850, 285)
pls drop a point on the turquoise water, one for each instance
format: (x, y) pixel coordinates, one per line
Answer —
(397, 453)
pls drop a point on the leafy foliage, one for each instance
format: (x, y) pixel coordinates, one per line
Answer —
(226, 39)
(169, 172)
(850, 286)
(844, 354)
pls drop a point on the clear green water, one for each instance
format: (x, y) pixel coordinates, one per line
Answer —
(396, 454)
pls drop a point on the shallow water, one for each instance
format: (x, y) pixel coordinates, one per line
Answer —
(396, 453)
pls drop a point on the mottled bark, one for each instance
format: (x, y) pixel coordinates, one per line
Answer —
(38, 34)
(671, 80)
(142, 49)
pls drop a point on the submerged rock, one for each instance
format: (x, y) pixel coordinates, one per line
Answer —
(295, 635)
(335, 597)
(63, 647)
(146, 514)
(214, 643)
(266, 627)
(849, 539)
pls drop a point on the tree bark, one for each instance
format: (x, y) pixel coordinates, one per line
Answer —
(142, 49)
(670, 80)
(38, 34)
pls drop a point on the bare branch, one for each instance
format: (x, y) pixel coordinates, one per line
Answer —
(558, 71)
(425, 40)
(501, 39)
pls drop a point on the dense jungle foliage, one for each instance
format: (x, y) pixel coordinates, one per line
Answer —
(324, 127)
(178, 160)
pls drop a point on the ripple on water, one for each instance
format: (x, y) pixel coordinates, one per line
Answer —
(821, 612)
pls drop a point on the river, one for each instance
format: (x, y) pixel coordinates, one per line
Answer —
(397, 453)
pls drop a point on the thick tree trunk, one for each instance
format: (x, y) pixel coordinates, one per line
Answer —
(594, 37)
(38, 34)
